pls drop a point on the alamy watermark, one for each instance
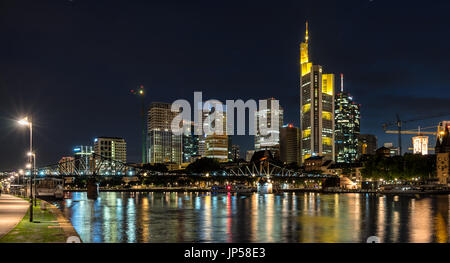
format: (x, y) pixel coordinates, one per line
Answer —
(209, 116)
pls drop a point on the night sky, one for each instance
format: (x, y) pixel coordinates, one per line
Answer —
(71, 64)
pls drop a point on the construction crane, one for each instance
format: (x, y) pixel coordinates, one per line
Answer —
(140, 91)
(418, 132)
(398, 123)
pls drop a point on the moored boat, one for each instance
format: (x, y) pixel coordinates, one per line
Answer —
(239, 188)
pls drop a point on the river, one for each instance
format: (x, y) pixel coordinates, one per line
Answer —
(288, 217)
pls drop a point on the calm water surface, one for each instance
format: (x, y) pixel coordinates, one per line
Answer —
(289, 217)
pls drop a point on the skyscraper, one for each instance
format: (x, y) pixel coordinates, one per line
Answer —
(83, 158)
(111, 148)
(164, 146)
(235, 152)
(347, 126)
(114, 148)
(215, 145)
(290, 144)
(190, 143)
(316, 107)
(270, 141)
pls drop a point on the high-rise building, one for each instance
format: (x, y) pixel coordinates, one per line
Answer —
(290, 144)
(316, 107)
(235, 152)
(347, 126)
(271, 140)
(83, 158)
(215, 145)
(190, 143)
(420, 145)
(367, 144)
(164, 146)
(113, 148)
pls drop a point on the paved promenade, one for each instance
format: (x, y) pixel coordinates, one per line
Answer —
(12, 210)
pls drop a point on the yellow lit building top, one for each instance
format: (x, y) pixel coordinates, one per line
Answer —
(328, 84)
(304, 56)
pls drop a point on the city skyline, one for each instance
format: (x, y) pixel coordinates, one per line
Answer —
(95, 87)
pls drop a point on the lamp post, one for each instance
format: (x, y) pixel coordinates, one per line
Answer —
(26, 122)
(33, 155)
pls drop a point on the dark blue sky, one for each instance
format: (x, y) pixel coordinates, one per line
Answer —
(72, 63)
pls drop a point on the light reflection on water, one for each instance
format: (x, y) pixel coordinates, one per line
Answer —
(289, 217)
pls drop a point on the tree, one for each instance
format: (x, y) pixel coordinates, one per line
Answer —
(157, 167)
(404, 167)
(203, 165)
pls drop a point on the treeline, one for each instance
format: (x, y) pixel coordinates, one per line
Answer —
(404, 167)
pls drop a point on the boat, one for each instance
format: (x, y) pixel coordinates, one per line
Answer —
(238, 188)
(265, 186)
(49, 187)
(414, 189)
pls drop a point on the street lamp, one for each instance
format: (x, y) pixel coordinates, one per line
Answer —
(27, 122)
(33, 155)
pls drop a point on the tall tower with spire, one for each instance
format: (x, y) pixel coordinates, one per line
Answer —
(316, 107)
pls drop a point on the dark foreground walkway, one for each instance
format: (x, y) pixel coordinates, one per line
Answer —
(12, 210)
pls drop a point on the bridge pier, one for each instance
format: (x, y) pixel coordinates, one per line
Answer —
(92, 189)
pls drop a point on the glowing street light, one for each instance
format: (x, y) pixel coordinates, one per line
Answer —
(27, 122)
(24, 122)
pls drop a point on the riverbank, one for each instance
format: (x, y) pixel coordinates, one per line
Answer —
(202, 190)
(49, 226)
(159, 189)
(292, 190)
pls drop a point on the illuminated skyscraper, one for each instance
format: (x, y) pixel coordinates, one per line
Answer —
(235, 152)
(347, 126)
(316, 108)
(164, 146)
(114, 150)
(190, 143)
(271, 141)
(216, 145)
(83, 158)
(289, 144)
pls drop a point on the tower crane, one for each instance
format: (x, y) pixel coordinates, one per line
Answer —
(398, 123)
(418, 132)
(140, 91)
